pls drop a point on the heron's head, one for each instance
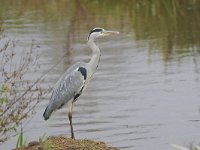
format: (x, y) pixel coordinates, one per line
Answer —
(99, 32)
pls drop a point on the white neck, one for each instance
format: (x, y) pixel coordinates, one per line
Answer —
(93, 63)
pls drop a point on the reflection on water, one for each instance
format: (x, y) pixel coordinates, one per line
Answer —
(145, 94)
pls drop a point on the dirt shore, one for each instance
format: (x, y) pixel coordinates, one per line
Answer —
(64, 143)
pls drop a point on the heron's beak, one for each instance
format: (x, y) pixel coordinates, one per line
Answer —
(106, 33)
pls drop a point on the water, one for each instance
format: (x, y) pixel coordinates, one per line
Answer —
(145, 93)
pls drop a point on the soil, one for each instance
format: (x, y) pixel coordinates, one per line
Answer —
(64, 143)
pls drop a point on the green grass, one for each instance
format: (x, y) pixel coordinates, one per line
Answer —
(21, 142)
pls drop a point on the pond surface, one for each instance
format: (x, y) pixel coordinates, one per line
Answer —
(146, 91)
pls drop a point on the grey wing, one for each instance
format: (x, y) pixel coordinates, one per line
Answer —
(68, 87)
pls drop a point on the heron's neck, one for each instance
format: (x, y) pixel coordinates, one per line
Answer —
(93, 63)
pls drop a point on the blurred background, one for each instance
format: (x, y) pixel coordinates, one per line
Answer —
(145, 93)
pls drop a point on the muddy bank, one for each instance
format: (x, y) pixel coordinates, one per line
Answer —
(64, 143)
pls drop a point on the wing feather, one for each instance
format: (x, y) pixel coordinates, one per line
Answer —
(69, 85)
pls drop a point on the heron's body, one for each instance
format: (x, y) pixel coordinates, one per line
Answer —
(72, 83)
(69, 87)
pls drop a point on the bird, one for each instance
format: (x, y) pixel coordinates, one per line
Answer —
(71, 84)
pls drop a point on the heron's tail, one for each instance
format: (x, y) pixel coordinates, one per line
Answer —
(47, 113)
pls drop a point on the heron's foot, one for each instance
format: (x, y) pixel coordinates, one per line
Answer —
(73, 137)
(72, 132)
(71, 127)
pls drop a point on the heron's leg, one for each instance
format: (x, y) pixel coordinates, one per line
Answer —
(70, 119)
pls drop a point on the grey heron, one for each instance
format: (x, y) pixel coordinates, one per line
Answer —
(72, 83)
